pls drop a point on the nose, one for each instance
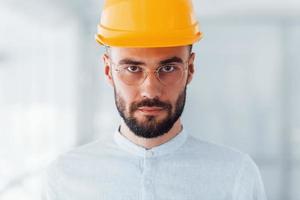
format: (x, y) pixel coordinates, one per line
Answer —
(151, 87)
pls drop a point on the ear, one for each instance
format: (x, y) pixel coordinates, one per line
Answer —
(191, 68)
(107, 69)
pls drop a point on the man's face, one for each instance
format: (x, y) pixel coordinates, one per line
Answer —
(149, 108)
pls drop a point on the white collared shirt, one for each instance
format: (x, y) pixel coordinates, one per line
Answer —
(184, 168)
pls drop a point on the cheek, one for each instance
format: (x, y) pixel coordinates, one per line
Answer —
(179, 94)
(175, 93)
(126, 94)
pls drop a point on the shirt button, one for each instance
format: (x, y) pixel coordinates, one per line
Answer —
(149, 153)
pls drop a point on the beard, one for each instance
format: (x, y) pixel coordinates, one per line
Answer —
(151, 127)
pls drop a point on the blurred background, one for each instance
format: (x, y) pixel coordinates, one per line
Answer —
(53, 95)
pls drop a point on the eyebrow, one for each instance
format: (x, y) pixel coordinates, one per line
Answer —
(171, 60)
(129, 61)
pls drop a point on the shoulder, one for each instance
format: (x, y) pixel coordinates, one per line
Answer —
(214, 155)
(223, 155)
(231, 163)
(83, 157)
(210, 150)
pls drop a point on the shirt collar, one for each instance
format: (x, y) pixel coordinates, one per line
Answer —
(163, 149)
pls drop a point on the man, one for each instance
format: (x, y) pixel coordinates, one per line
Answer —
(149, 63)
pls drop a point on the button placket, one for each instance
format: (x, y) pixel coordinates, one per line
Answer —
(147, 178)
(149, 153)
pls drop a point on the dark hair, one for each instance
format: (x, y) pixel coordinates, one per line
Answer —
(190, 48)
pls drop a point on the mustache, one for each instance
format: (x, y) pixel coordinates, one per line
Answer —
(150, 103)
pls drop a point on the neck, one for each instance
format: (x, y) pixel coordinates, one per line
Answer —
(149, 143)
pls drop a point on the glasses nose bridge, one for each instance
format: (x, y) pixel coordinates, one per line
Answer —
(154, 73)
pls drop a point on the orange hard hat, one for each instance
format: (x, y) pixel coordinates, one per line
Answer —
(148, 23)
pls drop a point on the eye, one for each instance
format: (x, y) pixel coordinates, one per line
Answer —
(133, 68)
(167, 68)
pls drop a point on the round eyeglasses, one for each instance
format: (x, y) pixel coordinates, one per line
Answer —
(167, 74)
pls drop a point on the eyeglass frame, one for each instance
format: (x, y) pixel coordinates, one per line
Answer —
(156, 71)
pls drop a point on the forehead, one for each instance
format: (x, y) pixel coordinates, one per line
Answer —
(149, 54)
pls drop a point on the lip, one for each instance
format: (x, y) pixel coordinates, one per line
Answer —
(151, 110)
